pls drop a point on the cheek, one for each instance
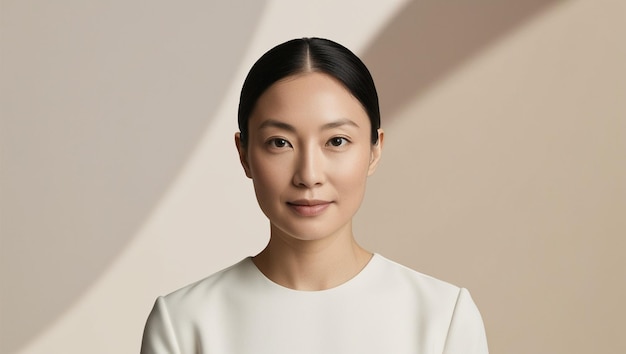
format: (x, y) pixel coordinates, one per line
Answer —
(268, 174)
(350, 173)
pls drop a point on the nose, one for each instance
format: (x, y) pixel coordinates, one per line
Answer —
(309, 169)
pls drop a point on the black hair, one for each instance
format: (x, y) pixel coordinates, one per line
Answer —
(309, 55)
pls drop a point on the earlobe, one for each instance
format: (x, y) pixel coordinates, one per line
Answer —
(243, 155)
(376, 152)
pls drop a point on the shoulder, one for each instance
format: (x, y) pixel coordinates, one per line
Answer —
(432, 300)
(443, 307)
(423, 285)
(434, 295)
(430, 289)
(175, 317)
(206, 291)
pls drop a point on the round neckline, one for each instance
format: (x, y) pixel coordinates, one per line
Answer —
(348, 283)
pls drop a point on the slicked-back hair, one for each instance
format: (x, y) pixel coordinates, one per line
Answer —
(309, 55)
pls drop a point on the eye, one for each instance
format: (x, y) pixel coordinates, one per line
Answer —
(338, 141)
(278, 143)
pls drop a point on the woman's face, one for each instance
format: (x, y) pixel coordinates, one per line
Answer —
(309, 154)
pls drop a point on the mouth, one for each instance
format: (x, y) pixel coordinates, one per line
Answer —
(308, 207)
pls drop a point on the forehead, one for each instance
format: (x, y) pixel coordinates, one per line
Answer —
(308, 100)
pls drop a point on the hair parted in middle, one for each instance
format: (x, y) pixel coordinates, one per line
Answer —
(305, 55)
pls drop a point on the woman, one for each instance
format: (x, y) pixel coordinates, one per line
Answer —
(309, 137)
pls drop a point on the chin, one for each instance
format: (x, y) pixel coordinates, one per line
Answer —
(305, 235)
(304, 232)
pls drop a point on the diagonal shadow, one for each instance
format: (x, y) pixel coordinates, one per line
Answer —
(429, 38)
(101, 105)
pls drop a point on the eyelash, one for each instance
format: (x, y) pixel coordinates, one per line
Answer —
(343, 141)
(272, 143)
(275, 142)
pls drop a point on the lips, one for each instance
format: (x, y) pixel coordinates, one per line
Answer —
(308, 207)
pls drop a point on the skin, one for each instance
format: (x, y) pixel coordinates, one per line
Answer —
(309, 155)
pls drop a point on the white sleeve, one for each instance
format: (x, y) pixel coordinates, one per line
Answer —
(466, 334)
(158, 335)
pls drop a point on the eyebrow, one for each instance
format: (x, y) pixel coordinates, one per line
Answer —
(277, 124)
(339, 123)
(282, 125)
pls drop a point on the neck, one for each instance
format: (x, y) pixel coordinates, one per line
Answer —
(312, 264)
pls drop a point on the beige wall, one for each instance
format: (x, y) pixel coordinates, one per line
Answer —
(504, 168)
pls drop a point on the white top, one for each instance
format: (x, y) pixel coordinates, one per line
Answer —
(386, 308)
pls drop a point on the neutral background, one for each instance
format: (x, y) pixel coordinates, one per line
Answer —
(504, 167)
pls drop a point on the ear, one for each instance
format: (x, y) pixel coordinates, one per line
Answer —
(376, 152)
(243, 154)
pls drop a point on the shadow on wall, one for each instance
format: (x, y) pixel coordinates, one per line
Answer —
(430, 38)
(424, 43)
(102, 105)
